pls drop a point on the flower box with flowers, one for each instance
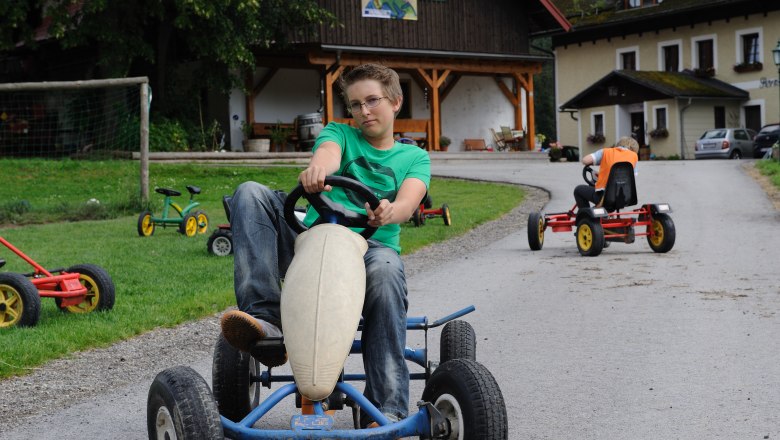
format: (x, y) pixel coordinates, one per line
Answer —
(748, 67)
(596, 138)
(659, 133)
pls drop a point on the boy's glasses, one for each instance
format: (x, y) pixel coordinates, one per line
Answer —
(369, 103)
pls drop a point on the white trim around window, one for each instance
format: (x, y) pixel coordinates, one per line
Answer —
(695, 50)
(655, 109)
(661, 46)
(593, 122)
(621, 51)
(738, 43)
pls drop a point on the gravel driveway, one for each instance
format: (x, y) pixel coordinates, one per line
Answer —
(630, 344)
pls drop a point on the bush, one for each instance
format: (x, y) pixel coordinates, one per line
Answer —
(167, 135)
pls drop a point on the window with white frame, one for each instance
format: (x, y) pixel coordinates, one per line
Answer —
(597, 123)
(749, 42)
(659, 115)
(628, 58)
(703, 52)
(671, 58)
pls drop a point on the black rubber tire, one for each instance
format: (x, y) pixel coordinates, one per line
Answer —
(203, 221)
(417, 218)
(535, 231)
(189, 225)
(232, 370)
(220, 243)
(467, 394)
(590, 237)
(180, 406)
(101, 293)
(458, 341)
(145, 224)
(664, 225)
(427, 202)
(445, 215)
(736, 154)
(20, 303)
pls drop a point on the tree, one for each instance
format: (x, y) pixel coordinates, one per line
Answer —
(544, 92)
(210, 42)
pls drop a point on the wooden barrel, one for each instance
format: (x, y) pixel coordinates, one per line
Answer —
(309, 127)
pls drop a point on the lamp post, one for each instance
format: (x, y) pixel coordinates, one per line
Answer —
(776, 56)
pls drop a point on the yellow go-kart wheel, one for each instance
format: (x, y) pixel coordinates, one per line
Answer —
(100, 289)
(590, 237)
(535, 231)
(20, 303)
(189, 225)
(145, 224)
(445, 214)
(203, 222)
(662, 233)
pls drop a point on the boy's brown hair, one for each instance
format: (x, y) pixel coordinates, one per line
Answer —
(386, 76)
(629, 143)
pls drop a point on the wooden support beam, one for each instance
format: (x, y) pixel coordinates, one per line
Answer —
(530, 139)
(332, 74)
(445, 64)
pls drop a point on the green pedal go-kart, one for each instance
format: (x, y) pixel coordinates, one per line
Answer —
(188, 219)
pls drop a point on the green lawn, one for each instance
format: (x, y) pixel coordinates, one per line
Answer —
(771, 169)
(166, 279)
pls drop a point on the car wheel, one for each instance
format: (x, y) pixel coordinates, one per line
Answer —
(736, 154)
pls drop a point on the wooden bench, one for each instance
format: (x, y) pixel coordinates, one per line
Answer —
(416, 129)
(262, 130)
(474, 144)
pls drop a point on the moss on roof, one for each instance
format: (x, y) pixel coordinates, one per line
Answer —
(584, 13)
(682, 84)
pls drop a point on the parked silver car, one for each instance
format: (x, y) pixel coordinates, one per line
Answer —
(725, 143)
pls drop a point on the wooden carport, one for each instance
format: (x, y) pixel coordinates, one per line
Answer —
(439, 74)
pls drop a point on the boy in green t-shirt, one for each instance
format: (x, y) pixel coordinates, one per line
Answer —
(399, 174)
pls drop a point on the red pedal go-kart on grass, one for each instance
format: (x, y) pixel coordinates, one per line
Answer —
(426, 211)
(597, 226)
(78, 289)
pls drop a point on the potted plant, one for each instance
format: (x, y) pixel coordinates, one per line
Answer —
(659, 133)
(279, 134)
(748, 67)
(555, 151)
(250, 144)
(444, 143)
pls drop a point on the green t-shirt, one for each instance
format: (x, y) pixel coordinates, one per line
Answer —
(381, 170)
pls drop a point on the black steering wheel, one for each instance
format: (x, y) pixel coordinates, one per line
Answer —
(330, 211)
(588, 175)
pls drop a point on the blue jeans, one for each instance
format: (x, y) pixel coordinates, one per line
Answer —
(263, 247)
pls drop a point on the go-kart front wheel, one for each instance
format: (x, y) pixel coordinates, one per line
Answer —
(101, 292)
(180, 406)
(458, 341)
(235, 390)
(467, 395)
(418, 218)
(590, 237)
(189, 225)
(145, 224)
(20, 303)
(220, 243)
(662, 233)
(535, 231)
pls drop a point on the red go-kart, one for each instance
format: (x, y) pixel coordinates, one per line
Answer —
(78, 289)
(597, 226)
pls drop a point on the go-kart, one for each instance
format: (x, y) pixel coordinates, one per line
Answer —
(426, 211)
(187, 220)
(82, 288)
(321, 304)
(605, 223)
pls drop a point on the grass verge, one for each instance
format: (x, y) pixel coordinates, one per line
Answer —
(166, 279)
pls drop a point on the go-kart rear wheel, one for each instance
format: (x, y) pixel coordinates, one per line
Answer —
(189, 225)
(590, 237)
(101, 292)
(180, 406)
(663, 233)
(445, 214)
(418, 218)
(465, 393)
(20, 303)
(220, 243)
(203, 221)
(535, 231)
(234, 374)
(145, 224)
(458, 341)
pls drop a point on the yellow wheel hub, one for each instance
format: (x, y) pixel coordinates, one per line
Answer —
(585, 237)
(11, 306)
(658, 233)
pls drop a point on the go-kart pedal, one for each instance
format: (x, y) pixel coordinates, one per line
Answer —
(247, 334)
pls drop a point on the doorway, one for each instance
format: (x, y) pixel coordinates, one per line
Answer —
(753, 117)
(638, 128)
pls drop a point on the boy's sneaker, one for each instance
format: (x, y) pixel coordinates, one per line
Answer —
(243, 331)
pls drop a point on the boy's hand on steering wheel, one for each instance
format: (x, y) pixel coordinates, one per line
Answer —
(380, 216)
(313, 179)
